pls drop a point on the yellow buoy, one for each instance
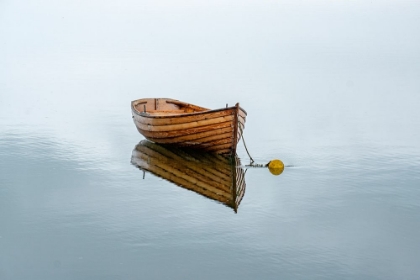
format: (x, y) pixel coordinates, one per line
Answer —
(276, 167)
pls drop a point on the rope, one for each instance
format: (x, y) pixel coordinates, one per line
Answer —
(255, 165)
(243, 140)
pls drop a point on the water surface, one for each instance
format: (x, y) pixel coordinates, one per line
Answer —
(331, 89)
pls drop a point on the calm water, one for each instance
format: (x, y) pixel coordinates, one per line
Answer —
(332, 89)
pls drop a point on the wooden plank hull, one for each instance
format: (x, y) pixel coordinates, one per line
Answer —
(169, 121)
(211, 175)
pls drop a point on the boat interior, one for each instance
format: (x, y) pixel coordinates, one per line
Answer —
(165, 106)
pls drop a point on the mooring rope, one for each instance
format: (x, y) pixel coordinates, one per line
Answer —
(243, 140)
(275, 166)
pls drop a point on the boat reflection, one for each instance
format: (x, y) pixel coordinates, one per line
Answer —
(211, 175)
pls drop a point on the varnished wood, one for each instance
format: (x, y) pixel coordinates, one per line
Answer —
(169, 121)
(203, 136)
(182, 118)
(186, 125)
(183, 132)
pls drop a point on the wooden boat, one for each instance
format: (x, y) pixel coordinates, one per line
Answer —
(211, 175)
(169, 121)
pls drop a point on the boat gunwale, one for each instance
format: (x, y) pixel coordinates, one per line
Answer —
(147, 115)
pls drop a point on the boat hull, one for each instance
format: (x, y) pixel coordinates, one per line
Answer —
(172, 122)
